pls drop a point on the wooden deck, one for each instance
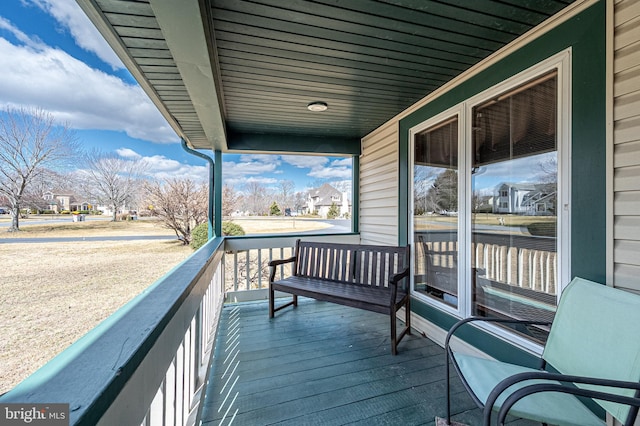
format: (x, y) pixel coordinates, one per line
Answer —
(324, 364)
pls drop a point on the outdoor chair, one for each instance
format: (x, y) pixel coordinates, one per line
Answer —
(592, 352)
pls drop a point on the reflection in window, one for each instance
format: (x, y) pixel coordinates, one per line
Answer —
(514, 217)
(435, 220)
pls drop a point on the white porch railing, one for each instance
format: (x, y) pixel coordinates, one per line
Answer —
(147, 362)
(247, 262)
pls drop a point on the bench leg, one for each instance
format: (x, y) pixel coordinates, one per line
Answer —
(407, 315)
(394, 333)
(272, 302)
(395, 339)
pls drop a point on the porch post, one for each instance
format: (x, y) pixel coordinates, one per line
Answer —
(355, 195)
(217, 184)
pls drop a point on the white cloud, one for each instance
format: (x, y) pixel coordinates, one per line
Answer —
(305, 161)
(71, 17)
(342, 162)
(260, 158)
(245, 167)
(127, 153)
(35, 75)
(24, 38)
(337, 169)
(331, 173)
(162, 168)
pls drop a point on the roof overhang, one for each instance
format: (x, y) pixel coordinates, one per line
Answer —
(236, 75)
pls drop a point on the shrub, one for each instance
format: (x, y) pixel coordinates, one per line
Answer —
(199, 236)
(274, 210)
(65, 212)
(333, 212)
(231, 229)
(200, 233)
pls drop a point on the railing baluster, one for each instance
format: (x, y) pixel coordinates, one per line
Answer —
(259, 268)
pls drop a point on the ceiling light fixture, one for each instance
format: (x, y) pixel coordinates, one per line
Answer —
(317, 106)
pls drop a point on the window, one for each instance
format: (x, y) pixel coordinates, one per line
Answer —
(514, 142)
(435, 219)
(488, 177)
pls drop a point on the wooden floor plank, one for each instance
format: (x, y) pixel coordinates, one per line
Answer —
(324, 364)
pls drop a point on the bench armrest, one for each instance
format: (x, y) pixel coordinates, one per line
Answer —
(555, 387)
(282, 261)
(395, 278)
(274, 263)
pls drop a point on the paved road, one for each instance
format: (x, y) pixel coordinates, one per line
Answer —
(5, 220)
(337, 226)
(72, 239)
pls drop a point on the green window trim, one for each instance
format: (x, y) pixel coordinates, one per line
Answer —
(585, 35)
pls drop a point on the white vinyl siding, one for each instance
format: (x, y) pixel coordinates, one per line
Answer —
(626, 150)
(379, 186)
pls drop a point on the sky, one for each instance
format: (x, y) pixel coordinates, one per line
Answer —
(52, 57)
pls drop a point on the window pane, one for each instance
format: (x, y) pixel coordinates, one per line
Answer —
(514, 216)
(435, 220)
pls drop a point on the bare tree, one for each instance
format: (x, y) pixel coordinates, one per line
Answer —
(256, 197)
(286, 189)
(112, 180)
(181, 204)
(30, 142)
(230, 199)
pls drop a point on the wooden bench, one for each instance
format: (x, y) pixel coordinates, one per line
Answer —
(593, 351)
(374, 278)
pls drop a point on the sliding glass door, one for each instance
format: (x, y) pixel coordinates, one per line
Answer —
(486, 197)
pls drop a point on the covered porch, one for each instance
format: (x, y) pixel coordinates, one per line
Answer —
(252, 77)
(324, 364)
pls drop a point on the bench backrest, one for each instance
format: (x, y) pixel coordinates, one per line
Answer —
(595, 334)
(363, 264)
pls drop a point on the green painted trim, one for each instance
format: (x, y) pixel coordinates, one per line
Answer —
(403, 187)
(487, 343)
(217, 183)
(355, 194)
(585, 34)
(293, 143)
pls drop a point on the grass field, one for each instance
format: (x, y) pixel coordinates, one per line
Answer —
(51, 294)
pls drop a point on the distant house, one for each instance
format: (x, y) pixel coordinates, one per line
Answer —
(64, 200)
(320, 200)
(524, 198)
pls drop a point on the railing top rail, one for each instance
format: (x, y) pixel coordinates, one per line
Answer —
(260, 241)
(90, 373)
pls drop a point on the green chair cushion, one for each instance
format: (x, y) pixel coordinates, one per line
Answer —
(555, 408)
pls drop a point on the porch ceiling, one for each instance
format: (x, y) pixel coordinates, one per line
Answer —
(238, 75)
